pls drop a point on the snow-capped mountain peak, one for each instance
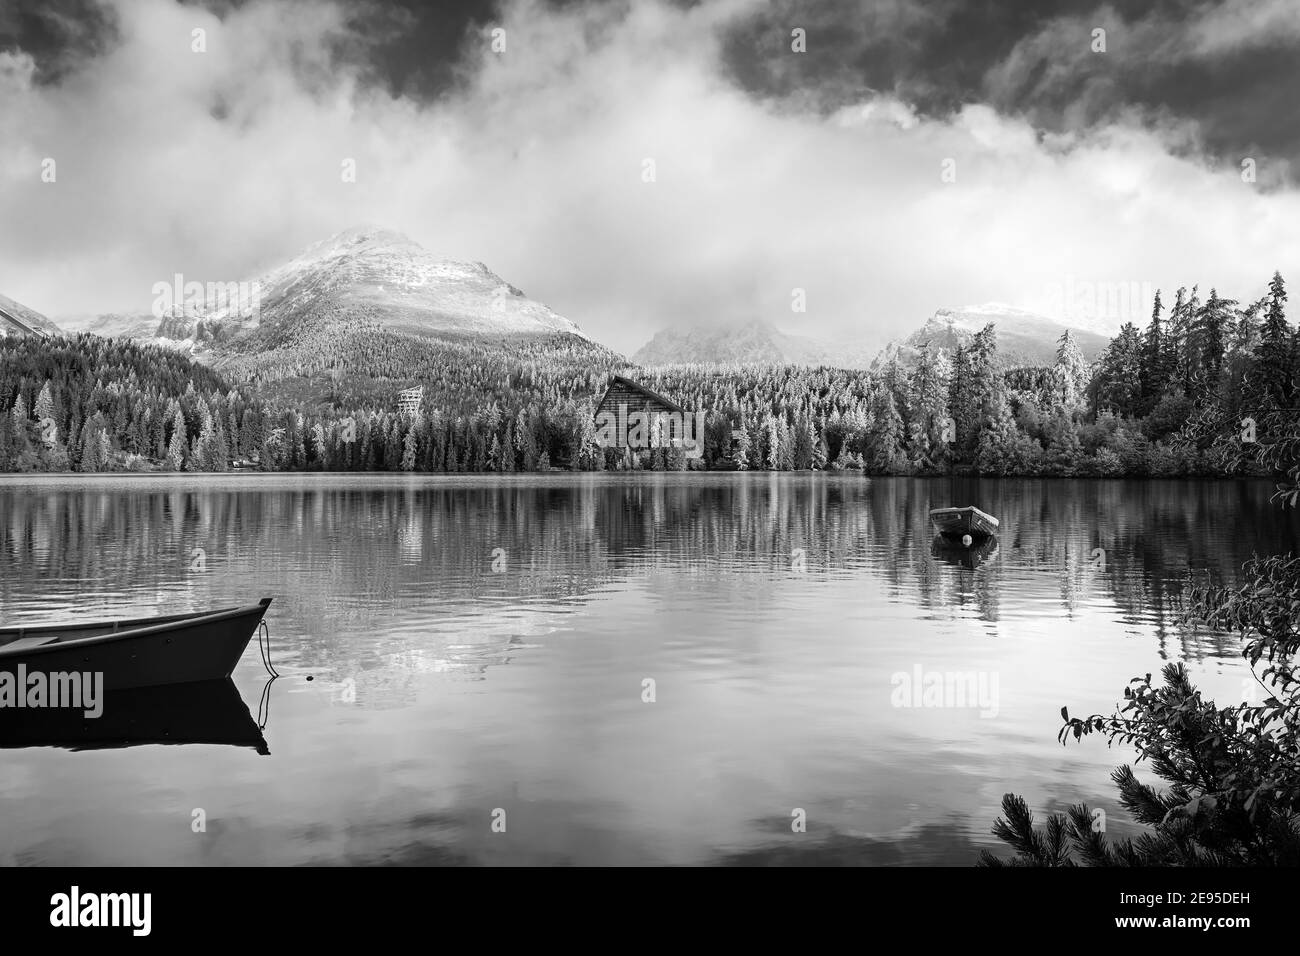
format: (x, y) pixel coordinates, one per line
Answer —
(386, 271)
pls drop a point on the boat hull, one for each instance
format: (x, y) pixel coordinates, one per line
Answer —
(959, 522)
(173, 650)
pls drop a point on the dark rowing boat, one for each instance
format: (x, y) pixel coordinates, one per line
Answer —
(960, 522)
(144, 652)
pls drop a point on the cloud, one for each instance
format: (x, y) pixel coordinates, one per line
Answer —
(1218, 69)
(222, 164)
(56, 33)
(1234, 26)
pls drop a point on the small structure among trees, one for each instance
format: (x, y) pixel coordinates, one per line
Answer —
(11, 325)
(408, 400)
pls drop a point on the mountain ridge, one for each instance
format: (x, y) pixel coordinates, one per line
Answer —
(756, 342)
(1024, 337)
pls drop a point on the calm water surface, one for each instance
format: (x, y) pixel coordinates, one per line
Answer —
(482, 644)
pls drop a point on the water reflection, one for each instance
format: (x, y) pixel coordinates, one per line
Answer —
(968, 556)
(132, 544)
(770, 611)
(208, 712)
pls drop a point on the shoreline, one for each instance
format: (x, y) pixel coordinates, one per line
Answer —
(19, 478)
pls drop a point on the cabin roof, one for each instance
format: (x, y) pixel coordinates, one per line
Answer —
(627, 383)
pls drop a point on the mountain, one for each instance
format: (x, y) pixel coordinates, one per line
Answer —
(358, 317)
(370, 275)
(140, 326)
(1024, 338)
(750, 343)
(379, 278)
(17, 319)
(368, 312)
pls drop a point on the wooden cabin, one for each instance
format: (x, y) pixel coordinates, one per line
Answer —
(623, 397)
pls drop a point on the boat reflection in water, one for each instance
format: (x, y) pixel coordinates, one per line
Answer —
(953, 552)
(202, 712)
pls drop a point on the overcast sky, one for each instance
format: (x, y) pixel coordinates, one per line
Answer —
(774, 169)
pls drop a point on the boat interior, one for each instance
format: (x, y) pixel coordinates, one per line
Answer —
(14, 638)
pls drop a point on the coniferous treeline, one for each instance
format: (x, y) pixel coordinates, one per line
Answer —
(1165, 400)
(91, 404)
(1233, 794)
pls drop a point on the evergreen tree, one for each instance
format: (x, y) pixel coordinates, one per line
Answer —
(1065, 454)
(220, 448)
(203, 457)
(1245, 335)
(93, 457)
(45, 404)
(758, 443)
(772, 444)
(176, 449)
(1119, 377)
(296, 441)
(232, 435)
(408, 449)
(508, 446)
(1276, 351)
(1210, 334)
(973, 390)
(525, 444)
(157, 435)
(885, 441)
(1069, 374)
(1182, 341)
(742, 449)
(589, 455)
(318, 445)
(785, 457)
(18, 417)
(803, 439)
(393, 447)
(931, 381)
(1155, 374)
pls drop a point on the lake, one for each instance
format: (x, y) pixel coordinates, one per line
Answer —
(615, 669)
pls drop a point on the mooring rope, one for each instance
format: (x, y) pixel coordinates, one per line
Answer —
(264, 704)
(265, 647)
